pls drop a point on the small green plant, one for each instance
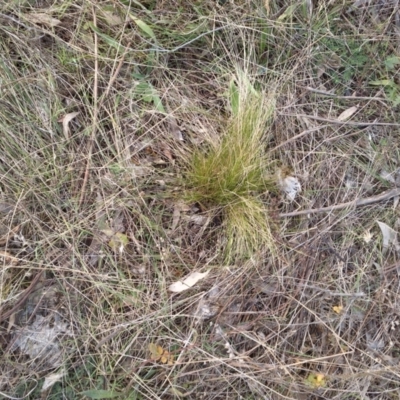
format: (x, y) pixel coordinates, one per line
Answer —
(392, 89)
(342, 59)
(233, 173)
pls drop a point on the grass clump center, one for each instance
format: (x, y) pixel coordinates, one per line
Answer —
(233, 173)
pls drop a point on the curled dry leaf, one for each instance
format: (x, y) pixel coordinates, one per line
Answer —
(43, 18)
(65, 120)
(346, 114)
(51, 379)
(188, 282)
(389, 236)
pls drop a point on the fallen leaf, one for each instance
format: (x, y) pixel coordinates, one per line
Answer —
(65, 120)
(389, 235)
(43, 18)
(345, 115)
(188, 282)
(50, 380)
(337, 309)
(158, 353)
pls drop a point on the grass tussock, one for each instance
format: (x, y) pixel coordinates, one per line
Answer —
(235, 170)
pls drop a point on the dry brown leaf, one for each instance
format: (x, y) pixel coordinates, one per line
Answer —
(42, 18)
(346, 114)
(188, 282)
(65, 120)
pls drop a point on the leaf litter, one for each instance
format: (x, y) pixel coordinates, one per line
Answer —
(65, 120)
(40, 340)
(187, 282)
(389, 236)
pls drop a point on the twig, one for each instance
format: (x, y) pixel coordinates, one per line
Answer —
(298, 136)
(389, 194)
(324, 93)
(348, 123)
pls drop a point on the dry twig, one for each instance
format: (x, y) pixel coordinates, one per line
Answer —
(336, 121)
(389, 194)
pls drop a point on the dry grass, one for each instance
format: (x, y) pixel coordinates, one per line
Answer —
(102, 212)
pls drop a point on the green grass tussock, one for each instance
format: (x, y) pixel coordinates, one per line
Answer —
(234, 172)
